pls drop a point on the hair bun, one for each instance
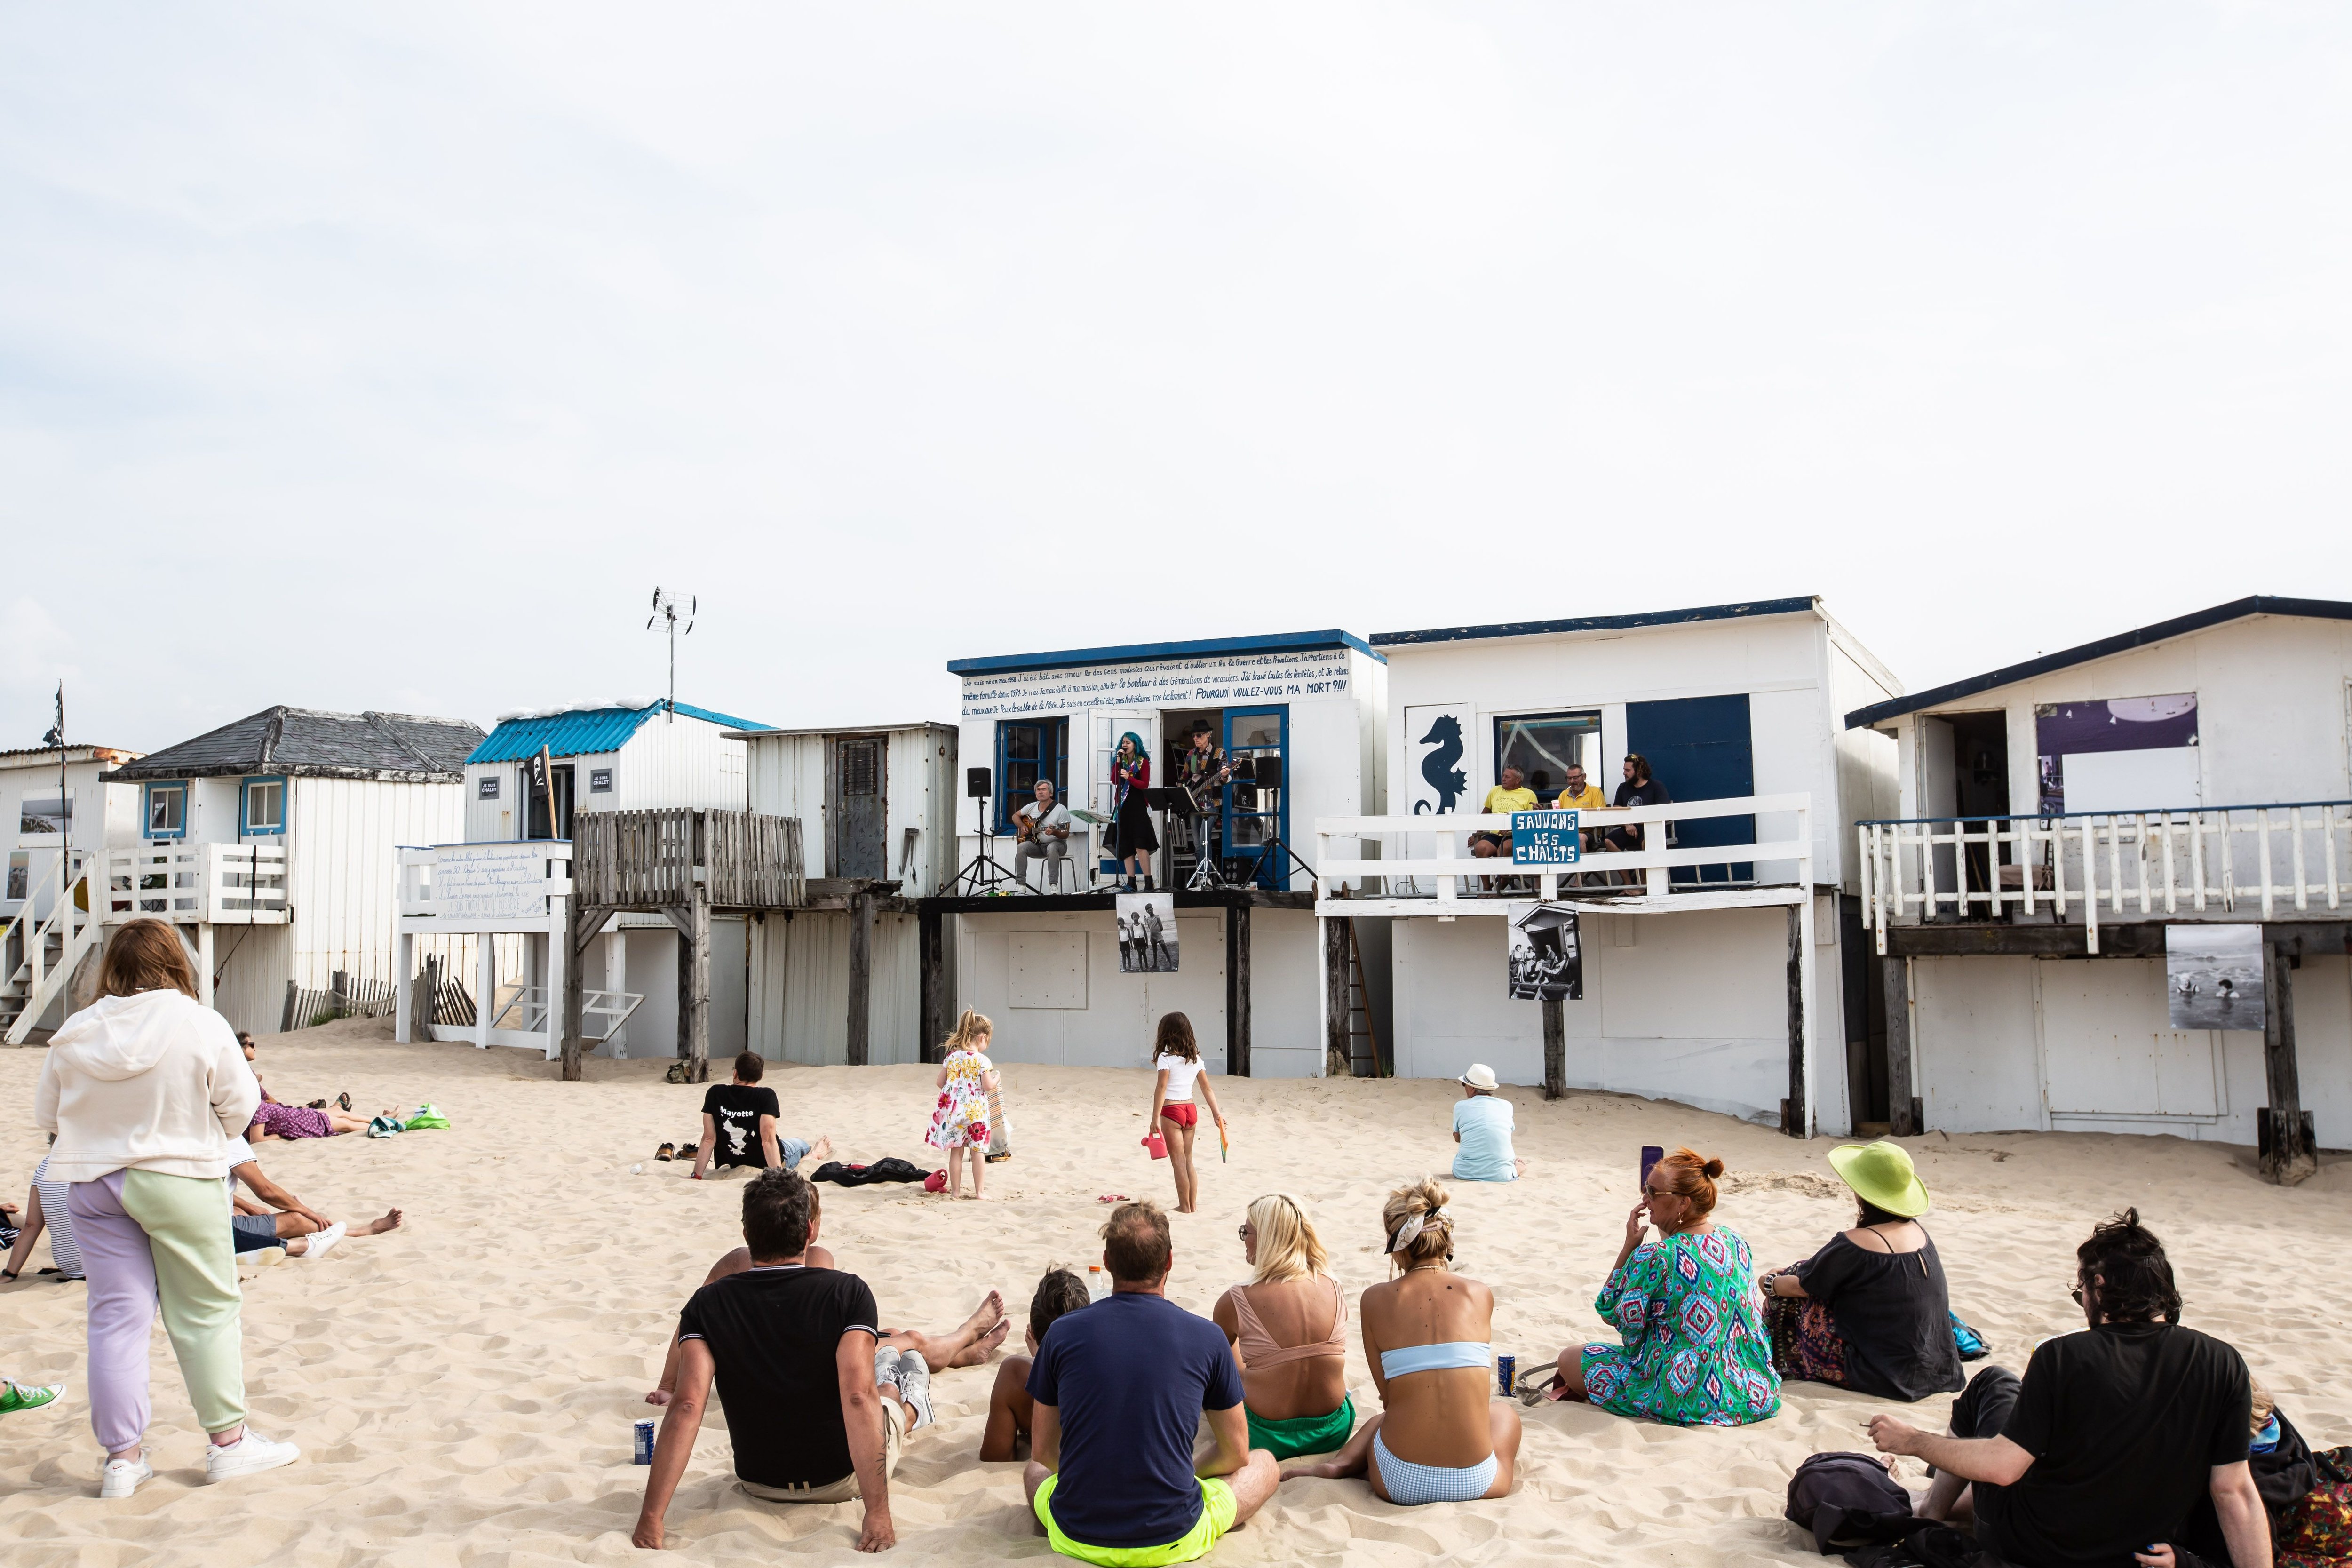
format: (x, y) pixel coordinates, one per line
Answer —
(1713, 1168)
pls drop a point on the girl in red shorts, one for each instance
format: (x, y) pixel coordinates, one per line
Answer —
(1176, 1055)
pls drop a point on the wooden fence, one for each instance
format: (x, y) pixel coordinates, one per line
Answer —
(648, 859)
(345, 996)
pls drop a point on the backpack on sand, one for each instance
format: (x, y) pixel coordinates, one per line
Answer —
(1848, 1500)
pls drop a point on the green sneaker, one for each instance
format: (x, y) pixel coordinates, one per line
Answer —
(15, 1396)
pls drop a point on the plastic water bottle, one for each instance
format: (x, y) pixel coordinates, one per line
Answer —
(1098, 1282)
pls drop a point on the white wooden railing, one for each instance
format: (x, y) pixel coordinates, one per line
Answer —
(2197, 860)
(526, 1011)
(192, 884)
(34, 980)
(1458, 876)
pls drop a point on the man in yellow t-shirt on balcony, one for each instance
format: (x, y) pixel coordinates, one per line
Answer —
(1580, 795)
(1512, 794)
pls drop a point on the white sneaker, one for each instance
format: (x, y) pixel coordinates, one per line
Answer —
(323, 1241)
(249, 1453)
(121, 1477)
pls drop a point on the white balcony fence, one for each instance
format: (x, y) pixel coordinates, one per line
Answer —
(525, 1010)
(2240, 861)
(1436, 851)
(197, 884)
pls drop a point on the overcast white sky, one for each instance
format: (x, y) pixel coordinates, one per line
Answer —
(388, 357)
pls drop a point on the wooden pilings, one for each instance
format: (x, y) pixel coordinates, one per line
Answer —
(693, 924)
(1902, 1107)
(931, 983)
(1554, 1048)
(2285, 1140)
(861, 977)
(1237, 990)
(1336, 1043)
(1794, 1121)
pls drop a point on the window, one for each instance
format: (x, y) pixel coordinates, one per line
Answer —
(265, 807)
(1028, 750)
(167, 810)
(1544, 746)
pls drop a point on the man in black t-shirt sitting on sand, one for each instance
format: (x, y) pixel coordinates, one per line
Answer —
(816, 1414)
(739, 1125)
(2103, 1448)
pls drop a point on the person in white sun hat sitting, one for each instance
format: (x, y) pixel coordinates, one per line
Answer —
(1482, 1125)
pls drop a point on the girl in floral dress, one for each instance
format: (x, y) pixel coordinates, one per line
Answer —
(960, 1120)
(1695, 1353)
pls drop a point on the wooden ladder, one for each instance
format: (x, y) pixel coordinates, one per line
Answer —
(1364, 1058)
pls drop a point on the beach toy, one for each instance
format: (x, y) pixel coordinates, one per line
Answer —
(937, 1182)
(636, 1170)
(1157, 1144)
(1224, 1147)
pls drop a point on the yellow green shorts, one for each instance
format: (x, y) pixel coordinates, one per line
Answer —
(1217, 1509)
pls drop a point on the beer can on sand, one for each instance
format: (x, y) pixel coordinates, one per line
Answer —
(645, 1455)
(1507, 1369)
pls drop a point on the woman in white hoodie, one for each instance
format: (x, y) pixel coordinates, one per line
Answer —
(149, 1095)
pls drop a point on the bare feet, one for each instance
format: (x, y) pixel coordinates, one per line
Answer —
(990, 1311)
(820, 1148)
(1327, 1470)
(391, 1221)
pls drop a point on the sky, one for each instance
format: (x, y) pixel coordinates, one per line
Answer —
(375, 357)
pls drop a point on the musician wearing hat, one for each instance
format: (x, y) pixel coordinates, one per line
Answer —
(1870, 1311)
(1482, 1125)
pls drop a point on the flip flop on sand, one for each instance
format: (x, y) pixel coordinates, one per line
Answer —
(1112, 1198)
(345, 1100)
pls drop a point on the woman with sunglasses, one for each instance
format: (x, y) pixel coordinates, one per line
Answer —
(1289, 1332)
(1695, 1353)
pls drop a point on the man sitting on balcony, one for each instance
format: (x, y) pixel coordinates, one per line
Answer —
(1045, 829)
(1512, 794)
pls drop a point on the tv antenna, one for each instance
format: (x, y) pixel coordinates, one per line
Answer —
(667, 611)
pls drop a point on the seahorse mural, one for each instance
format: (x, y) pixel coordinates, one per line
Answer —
(1437, 767)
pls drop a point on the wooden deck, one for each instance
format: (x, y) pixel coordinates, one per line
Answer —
(655, 861)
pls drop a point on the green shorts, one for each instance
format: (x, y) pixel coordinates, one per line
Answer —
(1303, 1433)
(1217, 1510)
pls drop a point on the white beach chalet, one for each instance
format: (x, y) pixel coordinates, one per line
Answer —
(1303, 709)
(835, 979)
(2057, 816)
(272, 843)
(67, 812)
(1722, 963)
(621, 754)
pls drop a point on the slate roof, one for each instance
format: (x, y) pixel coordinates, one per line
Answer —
(411, 748)
(2122, 642)
(584, 733)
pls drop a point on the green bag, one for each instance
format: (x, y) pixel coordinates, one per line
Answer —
(427, 1117)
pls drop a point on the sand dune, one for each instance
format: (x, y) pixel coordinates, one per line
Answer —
(464, 1387)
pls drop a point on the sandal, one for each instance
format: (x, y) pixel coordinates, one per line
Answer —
(345, 1100)
(1112, 1198)
(316, 1105)
(666, 1151)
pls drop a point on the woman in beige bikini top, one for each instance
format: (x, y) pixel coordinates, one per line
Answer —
(1289, 1331)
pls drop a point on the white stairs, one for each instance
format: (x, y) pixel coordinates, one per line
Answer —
(40, 955)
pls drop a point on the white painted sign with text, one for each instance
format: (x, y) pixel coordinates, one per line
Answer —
(1228, 680)
(490, 881)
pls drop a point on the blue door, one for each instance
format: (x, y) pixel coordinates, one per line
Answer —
(1259, 812)
(1700, 749)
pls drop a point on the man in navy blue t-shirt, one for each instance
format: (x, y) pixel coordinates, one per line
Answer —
(1121, 1387)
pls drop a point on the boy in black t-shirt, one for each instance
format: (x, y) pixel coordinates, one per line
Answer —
(813, 1413)
(739, 1125)
(2104, 1448)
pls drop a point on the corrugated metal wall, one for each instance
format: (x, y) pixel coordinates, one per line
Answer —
(800, 988)
(786, 778)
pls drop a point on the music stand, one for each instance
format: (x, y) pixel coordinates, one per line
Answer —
(982, 875)
(1265, 774)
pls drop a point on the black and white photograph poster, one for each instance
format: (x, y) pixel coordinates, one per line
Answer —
(1547, 956)
(1147, 933)
(2215, 975)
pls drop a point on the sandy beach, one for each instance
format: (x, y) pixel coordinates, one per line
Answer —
(463, 1388)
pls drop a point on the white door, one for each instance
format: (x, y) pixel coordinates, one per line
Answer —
(1109, 725)
(2108, 1047)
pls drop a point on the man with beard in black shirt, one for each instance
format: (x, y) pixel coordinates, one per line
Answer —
(813, 1413)
(2098, 1456)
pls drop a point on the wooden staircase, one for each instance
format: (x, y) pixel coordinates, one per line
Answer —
(40, 957)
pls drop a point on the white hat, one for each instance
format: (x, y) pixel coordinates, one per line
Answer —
(1480, 1075)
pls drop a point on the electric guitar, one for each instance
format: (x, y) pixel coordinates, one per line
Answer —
(1204, 793)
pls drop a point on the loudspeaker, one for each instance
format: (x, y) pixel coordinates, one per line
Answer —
(975, 783)
(1268, 772)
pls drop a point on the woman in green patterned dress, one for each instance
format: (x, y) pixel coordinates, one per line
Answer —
(1686, 1307)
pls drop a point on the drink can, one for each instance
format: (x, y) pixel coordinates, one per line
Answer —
(645, 1455)
(1507, 1369)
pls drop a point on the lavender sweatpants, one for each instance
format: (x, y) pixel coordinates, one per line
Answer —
(147, 1238)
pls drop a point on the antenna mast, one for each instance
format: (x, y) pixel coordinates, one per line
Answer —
(667, 611)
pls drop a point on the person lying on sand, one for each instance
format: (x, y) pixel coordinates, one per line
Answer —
(816, 1410)
(1441, 1435)
(1011, 1411)
(2101, 1451)
(969, 1343)
(288, 1222)
(739, 1126)
(246, 1044)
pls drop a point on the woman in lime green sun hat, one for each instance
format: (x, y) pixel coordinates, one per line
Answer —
(1870, 1311)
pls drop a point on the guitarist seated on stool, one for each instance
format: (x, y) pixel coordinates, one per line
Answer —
(1204, 770)
(1045, 830)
